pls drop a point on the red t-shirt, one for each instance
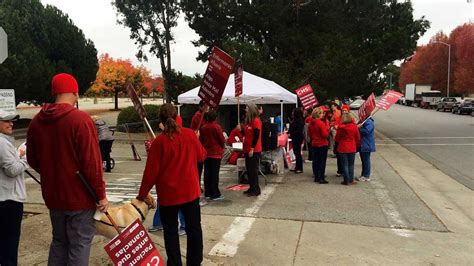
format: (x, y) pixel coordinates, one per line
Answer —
(234, 133)
(212, 139)
(248, 136)
(171, 167)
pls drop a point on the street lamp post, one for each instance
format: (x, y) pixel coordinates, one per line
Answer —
(449, 61)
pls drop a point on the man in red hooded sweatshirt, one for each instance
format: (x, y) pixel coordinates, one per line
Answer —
(62, 141)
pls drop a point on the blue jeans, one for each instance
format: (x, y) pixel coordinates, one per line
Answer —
(157, 219)
(365, 158)
(347, 163)
(320, 155)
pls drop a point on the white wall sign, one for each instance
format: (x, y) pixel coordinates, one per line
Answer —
(7, 101)
(3, 45)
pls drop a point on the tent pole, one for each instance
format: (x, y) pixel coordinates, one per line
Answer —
(179, 109)
(282, 116)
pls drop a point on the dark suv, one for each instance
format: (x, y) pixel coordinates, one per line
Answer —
(465, 107)
(446, 103)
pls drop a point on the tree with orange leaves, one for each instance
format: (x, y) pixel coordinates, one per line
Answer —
(429, 64)
(113, 75)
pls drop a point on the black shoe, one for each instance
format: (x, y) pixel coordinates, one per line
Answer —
(323, 181)
(253, 194)
(344, 183)
(247, 191)
(108, 170)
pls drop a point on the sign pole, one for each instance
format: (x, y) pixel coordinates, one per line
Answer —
(238, 110)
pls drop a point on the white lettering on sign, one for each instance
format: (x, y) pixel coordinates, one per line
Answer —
(7, 101)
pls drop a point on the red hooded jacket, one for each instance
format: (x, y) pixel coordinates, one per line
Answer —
(61, 141)
(348, 138)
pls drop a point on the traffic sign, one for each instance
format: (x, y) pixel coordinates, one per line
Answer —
(3, 45)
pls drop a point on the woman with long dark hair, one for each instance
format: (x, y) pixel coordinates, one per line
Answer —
(297, 137)
(171, 167)
(252, 147)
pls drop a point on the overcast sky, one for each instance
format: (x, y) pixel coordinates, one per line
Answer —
(97, 19)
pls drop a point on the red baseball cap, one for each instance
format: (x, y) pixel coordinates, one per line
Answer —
(345, 107)
(63, 83)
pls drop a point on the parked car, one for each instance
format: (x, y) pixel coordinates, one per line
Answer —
(355, 105)
(464, 107)
(446, 103)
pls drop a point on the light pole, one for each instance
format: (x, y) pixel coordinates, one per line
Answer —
(449, 62)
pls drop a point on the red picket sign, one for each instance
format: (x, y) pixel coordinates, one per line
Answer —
(215, 79)
(238, 81)
(136, 101)
(390, 98)
(367, 107)
(306, 96)
(133, 247)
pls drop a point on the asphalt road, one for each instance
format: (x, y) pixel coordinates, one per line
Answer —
(443, 139)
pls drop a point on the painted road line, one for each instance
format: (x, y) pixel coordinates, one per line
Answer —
(394, 218)
(230, 241)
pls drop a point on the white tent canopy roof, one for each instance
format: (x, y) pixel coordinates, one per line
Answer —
(255, 90)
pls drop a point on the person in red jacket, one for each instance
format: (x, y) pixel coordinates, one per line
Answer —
(196, 123)
(236, 132)
(319, 131)
(62, 141)
(348, 139)
(213, 140)
(171, 168)
(252, 147)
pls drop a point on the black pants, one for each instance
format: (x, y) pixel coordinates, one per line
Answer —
(11, 213)
(297, 150)
(251, 164)
(320, 155)
(211, 177)
(105, 150)
(310, 150)
(192, 216)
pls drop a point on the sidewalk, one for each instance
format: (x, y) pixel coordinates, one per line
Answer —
(411, 213)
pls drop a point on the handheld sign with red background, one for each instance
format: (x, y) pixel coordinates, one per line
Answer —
(367, 107)
(133, 247)
(238, 81)
(306, 95)
(136, 101)
(388, 100)
(215, 79)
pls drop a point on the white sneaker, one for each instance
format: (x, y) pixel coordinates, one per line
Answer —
(203, 202)
(367, 179)
(360, 179)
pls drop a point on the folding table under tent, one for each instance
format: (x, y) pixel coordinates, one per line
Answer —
(256, 90)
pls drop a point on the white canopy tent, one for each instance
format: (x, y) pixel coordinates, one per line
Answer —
(255, 90)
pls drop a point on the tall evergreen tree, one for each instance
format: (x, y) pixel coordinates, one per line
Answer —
(340, 47)
(42, 42)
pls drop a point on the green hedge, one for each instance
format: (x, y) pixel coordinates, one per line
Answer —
(130, 117)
